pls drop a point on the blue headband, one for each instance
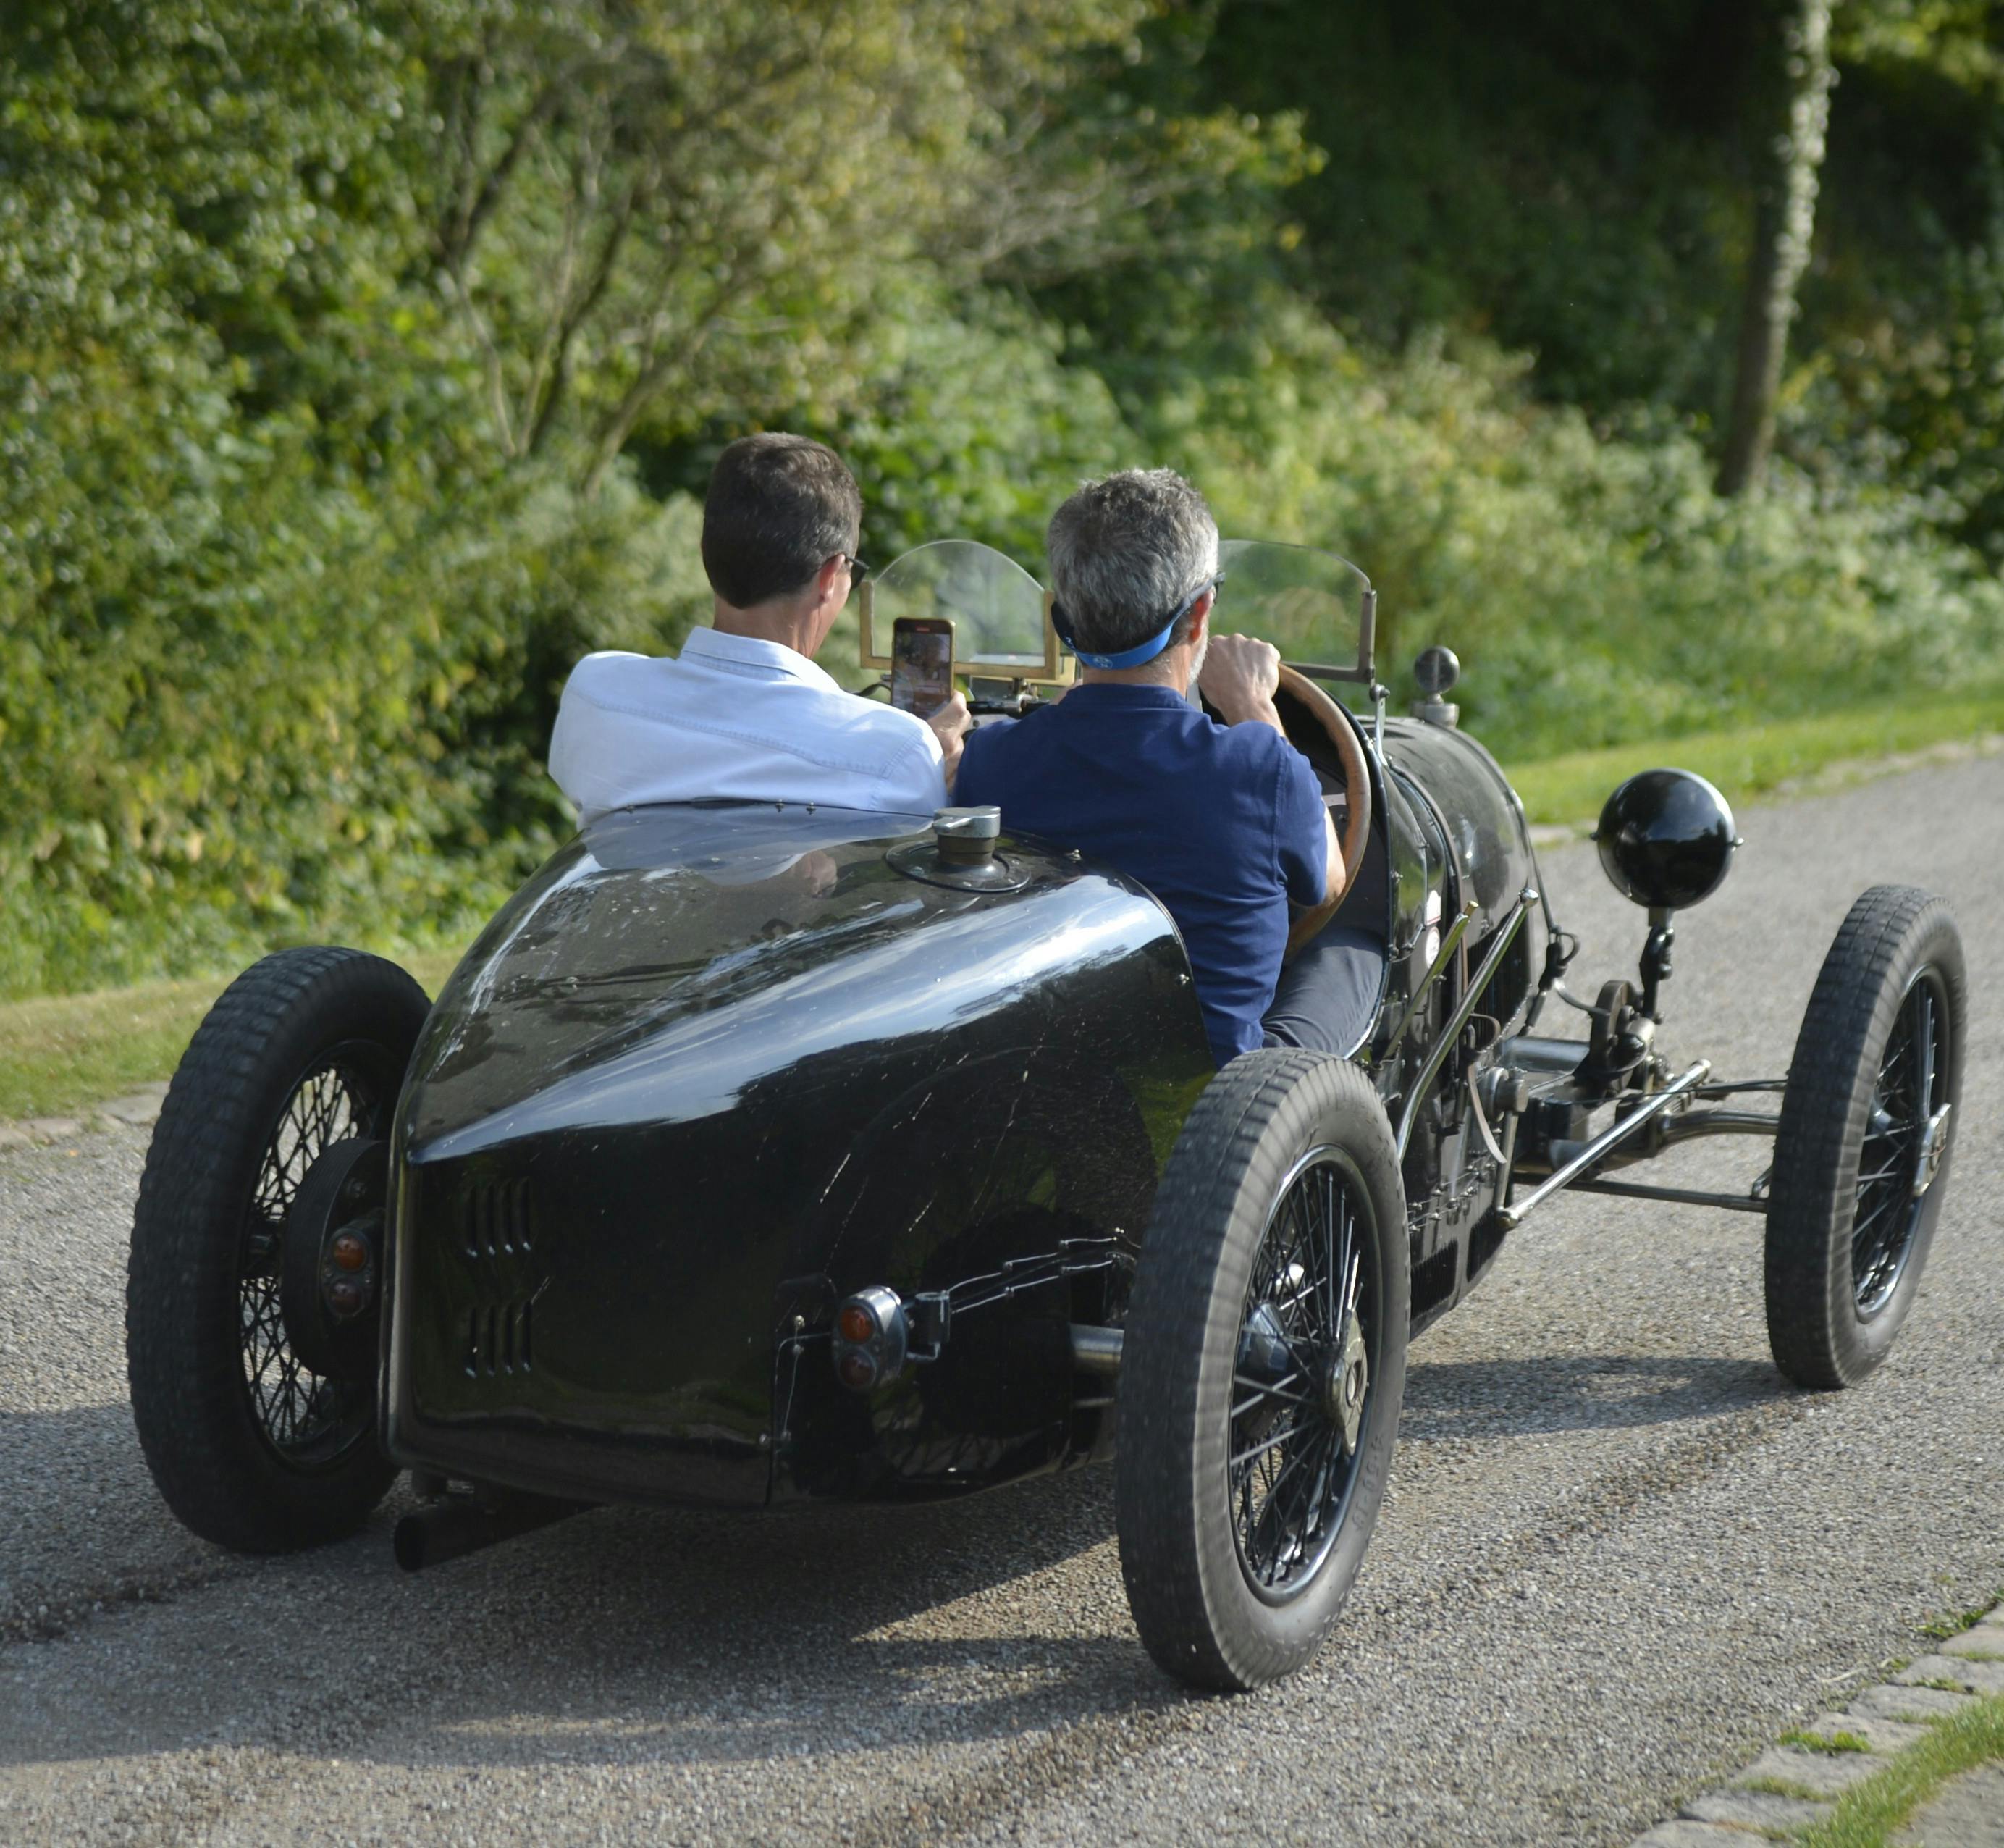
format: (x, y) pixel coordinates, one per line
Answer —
(1141, 651)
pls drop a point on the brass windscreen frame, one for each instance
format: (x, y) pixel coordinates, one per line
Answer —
(1056, 668)
(1361, 673)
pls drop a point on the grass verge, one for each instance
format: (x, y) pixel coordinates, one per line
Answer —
(1570, 788)
(1868, 1813)
(62, 1052)
(1952, 1623)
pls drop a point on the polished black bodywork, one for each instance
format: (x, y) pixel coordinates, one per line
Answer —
(718, 1068)
(1450, 834)
(714, 1068)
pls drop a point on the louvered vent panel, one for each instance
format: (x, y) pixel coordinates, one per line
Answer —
(500, 1338)
(498, 1236)
(499, 1219)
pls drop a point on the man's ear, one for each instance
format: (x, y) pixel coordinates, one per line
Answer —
(1199, 618)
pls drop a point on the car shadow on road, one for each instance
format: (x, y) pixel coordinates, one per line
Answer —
(624, 1635)
(1474, 1399)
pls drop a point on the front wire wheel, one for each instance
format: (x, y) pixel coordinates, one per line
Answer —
(1303, 1385)
(1263, 1370)
(1905, 1138)
(1867, 1126)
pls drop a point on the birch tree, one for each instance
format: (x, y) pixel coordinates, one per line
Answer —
(1785, 223)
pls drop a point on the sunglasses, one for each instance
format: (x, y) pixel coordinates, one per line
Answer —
(857, 569)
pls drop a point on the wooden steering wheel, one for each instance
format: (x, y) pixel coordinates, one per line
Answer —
(1349, 746)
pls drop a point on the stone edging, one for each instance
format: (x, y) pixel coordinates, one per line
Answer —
(1886, 1718)
(138, 1109)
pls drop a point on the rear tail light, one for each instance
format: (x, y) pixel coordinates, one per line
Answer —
(870, 1338)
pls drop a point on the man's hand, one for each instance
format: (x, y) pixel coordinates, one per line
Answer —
(950, 723)
(1241, 673)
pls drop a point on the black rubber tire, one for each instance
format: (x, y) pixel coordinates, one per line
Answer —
(209, 1454)
(1196, 1613)
(1819, 1337)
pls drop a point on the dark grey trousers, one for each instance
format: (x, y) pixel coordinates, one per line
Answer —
(1327, 995)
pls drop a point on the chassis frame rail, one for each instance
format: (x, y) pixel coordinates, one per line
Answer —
(1602, 1145)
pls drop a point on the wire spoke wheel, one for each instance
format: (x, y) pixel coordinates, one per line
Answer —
(308, 1420)
(1301, 1382)
(1263, 1369)
(251, 1447)
(1861, 1150)
(1892, 1170)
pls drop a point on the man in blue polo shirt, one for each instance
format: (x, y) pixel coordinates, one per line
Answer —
(1225, 823)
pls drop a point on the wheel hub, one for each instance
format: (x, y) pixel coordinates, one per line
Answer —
(331, 1260)
(1934, 1145)
(1345, 1385)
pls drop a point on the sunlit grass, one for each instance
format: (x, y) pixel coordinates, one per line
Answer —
(60, 1053)
(1754, 760)
(1869, 1814)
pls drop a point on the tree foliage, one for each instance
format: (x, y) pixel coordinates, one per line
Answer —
(361, 362)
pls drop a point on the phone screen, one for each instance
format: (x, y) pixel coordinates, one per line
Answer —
(921, 665)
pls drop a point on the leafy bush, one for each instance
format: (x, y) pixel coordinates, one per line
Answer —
(1595, 588)
(336, 341)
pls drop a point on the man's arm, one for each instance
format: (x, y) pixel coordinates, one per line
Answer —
(1241, 675)
(570, 761)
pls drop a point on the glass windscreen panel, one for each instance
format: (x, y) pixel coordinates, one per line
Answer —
(996, 607)
(1311, 605)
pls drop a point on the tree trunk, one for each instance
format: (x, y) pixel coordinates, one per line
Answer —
(1785, 221)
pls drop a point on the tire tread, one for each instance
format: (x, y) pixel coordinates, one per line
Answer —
(1889, 931)
(181, 1330)
(1159, 1510)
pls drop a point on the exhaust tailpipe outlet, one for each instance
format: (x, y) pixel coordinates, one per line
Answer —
(1095, 1350)
(464, 1524)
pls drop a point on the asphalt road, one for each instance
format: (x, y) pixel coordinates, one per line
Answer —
(1618, 1556)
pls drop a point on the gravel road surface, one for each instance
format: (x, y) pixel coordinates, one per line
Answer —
(1618, 1556)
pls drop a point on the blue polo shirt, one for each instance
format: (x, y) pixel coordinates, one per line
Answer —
(1223, 823)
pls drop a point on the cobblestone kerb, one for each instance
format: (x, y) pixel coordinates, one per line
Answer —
(1791, 1786)
(138, 1109)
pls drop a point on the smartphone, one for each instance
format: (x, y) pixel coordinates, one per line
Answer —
(921, 663)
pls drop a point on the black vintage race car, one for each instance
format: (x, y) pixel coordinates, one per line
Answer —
(757, 1154)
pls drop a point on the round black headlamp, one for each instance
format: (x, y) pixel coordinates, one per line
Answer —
(1666, 839)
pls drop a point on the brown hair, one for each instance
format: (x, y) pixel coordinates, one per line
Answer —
(779, 507)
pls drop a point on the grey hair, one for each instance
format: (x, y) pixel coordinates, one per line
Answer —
(1126, 552)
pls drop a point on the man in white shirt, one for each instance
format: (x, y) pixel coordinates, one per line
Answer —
(743, 712)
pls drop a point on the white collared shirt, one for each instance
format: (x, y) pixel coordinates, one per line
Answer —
(734, 717)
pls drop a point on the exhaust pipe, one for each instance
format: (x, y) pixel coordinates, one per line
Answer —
(464, 1524)
(1095, 1350)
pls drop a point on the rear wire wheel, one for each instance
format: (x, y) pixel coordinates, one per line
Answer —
(250, 1447)
(1263, 1370)
(1867, 1127)
(306, 1419)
